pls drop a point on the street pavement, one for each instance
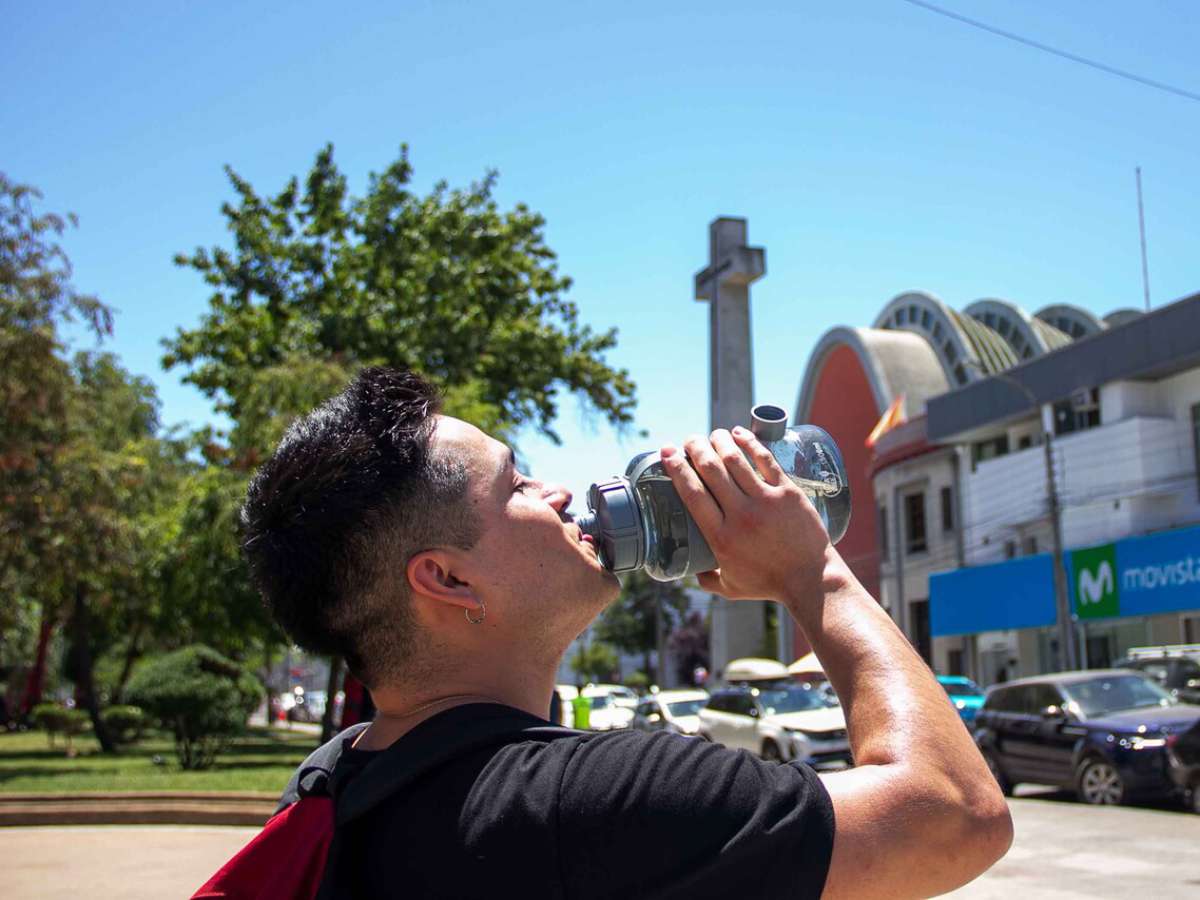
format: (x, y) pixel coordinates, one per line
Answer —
(1062, 850)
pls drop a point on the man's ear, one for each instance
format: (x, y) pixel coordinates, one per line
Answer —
(431, 574)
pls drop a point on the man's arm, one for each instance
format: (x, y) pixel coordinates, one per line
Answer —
(920, 814)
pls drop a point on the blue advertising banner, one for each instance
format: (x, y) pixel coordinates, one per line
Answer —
(1137, 576)
(1014, 594)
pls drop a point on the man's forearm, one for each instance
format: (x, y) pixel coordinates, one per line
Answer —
(916, 765)
(891, 700)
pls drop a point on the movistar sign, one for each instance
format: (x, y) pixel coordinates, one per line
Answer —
(1137, 576)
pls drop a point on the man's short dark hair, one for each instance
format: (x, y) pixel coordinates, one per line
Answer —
(332, 518)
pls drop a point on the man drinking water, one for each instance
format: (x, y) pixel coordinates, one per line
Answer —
(409, 543)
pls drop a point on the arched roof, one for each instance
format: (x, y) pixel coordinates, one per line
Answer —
(966, 348)
(895, 362)
(1026, 336)
(1121, 316)
(1073, 321)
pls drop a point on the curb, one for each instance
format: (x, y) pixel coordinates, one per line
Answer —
(244, 808)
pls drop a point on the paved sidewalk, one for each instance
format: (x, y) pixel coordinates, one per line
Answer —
(135, 862)
(1063, 851)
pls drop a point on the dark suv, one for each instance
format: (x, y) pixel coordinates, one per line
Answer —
(1102, 733)
(1183, 758)
(1178, 674)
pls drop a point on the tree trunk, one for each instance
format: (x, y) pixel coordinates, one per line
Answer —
(85, 685)
(131, 656)
(331, 689)
(37, 675)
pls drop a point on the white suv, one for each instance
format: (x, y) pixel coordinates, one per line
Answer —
(677, 711)
(796, 722)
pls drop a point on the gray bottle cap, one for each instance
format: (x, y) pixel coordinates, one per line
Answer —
(616, 525)
(768, 423)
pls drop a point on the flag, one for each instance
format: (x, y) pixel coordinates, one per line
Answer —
(888, 421)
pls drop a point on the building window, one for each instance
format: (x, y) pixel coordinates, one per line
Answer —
(947, 509)
(1079, 413)
(883, 532)
(1196, 438)
(901, 316)
(1031, 546)
(985, 450)
(926, 319)
(914, 520)
(1010, 549)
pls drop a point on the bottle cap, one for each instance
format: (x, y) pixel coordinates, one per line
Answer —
(767, 422)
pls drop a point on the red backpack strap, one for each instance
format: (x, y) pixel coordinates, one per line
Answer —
(285, 859)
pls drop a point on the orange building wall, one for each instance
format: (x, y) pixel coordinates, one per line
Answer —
(844, 405)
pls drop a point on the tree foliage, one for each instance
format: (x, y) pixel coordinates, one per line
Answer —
(632, 623)
(203, 697)
(445, 283)
(36, 299)
(595, 661)
(689, 647)
(84, 468)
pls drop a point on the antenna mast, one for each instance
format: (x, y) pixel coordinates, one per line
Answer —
(1142, 232)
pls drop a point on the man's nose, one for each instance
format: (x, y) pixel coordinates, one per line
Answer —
(559, 497)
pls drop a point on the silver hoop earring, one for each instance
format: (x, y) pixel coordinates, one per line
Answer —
(482, 614)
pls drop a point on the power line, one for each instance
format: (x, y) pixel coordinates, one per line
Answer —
(1037, 45)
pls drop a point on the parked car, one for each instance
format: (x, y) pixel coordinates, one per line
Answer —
(1102, 733)
(677, 711)
(797, 722)
(566, 695)
(1183, 762)
(1179, 674)
(606, 715)
(621, 695)
(965, 694)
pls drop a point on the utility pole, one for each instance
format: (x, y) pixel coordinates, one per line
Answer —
(1066, 637)
(1142, 232)
(1062, 606)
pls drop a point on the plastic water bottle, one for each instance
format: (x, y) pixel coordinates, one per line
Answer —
(638, 521)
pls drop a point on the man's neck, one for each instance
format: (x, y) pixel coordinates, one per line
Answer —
(403, 707)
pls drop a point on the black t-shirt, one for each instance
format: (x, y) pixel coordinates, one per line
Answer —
(623, 814)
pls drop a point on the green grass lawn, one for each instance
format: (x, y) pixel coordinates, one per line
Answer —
(263, 760)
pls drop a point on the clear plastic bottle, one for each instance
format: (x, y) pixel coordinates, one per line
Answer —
(638, 520)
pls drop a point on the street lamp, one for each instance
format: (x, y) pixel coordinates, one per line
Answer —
(1066, 637)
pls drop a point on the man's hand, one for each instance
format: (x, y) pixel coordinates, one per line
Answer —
(768, 539)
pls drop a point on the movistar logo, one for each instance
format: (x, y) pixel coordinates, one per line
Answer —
(1097, 593)
(1093, 587)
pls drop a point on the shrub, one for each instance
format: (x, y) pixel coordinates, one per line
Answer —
(202, 697)
(54, 719)
(125, 723)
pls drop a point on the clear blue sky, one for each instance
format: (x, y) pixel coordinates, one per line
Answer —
(874, 147)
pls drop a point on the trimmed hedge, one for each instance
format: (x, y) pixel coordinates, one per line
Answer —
(124, 723)
(54, 719)
(202, 697)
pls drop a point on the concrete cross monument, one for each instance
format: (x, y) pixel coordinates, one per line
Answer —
(738, 629)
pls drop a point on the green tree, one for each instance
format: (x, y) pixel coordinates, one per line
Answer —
(446, 283)
(642, 616)
(111, 480)
(37, 298)
(595, 661)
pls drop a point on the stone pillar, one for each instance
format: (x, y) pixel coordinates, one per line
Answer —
(738, 628)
